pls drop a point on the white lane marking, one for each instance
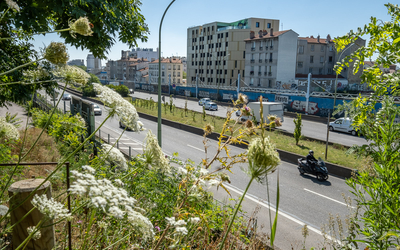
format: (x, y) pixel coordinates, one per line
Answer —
(266, 205)
(202, 150)
(326, 197)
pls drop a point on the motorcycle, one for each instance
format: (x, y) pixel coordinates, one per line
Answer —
(320, 171)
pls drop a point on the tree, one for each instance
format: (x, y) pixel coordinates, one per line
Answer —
(109, 19)
(93, 78)
(376, 188)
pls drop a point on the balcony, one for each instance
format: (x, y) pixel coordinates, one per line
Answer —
(261, 48)
(252, 61)
(253, 49)
(260, 60)
(259, 73)
(251, 73)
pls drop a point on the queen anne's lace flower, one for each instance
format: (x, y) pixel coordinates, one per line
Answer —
(111, 199)
(72, 74)
(113, 155)
(3, 210)
(56, 53)
(81, 26)
(37, 235)
(12, 5)
(154, 154)
(36, 74)
(50, 208)
(88, 169)
(194, 219)
(8, 130)
(179, 229)
(125, 111)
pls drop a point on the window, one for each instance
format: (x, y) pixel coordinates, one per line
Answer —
(232, 73)
(192, 32)
(212, 28)
(322, 48)
(226, 44)
(299, 64)
(310, 70)
(212, 71)
(208, 29)
(301, 49)
(261, 44)
(226, 72)
(251, 81)
(224, 62)
(224, 53)
(329, 71)
(217, 53)
(207, 71)
(311, 59)
(312, 47)
(321, 59)
(222, 35)
(235, 64)
(257, 25)
(244, 54)
(268, 25)
(330, 59)
(320, 71)
(226, 34)
(243, 73)
(331, 48)
(219, 35)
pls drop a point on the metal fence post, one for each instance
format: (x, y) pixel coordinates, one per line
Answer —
(108, 138)
(99, 133)
(130, 153)
(118, 144)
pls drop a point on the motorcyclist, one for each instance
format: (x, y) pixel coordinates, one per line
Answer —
(311, 161)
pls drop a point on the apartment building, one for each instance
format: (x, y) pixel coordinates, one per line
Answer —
(125, 68)
(76, 62)
(145, 53)
(92, 62)
(270, 58)
(216, 51)
(171, 69)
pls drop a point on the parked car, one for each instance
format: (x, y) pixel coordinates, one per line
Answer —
(211, 106)
(96, 109)
(342, 125)
(66, 97)
(203, 101)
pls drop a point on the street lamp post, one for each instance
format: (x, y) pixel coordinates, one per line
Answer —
(159, 78)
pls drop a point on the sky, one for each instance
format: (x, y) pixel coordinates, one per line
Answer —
(305, 17)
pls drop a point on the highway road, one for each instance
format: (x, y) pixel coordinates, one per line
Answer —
(303, 199)
(310, 129)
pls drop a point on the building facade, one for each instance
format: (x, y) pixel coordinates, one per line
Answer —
(171, 71)
(77, 62)
(216, 51)
(270, 58)
(92, 62)
(146, 53)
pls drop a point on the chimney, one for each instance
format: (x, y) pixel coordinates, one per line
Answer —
(265, 32)
(272, 32)
(328, 38)
(318, 38)
(252, 34)
(260, 34)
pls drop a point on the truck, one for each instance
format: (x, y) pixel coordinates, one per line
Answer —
(269, 108)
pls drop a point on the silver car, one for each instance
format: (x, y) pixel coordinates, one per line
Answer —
(96, 109)
(66, 97)
(211, 106)
(203, 101)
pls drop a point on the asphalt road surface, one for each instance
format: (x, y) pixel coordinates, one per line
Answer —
(303, 199)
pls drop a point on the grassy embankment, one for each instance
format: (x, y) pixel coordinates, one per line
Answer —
(336, 153)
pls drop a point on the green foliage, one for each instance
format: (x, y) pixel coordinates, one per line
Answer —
(93, 78)
(204, 112)
(88, 90)
(184, 75)
(110, 19)
(297, 129)
(82, 67)
(171, 101)
(120, 89)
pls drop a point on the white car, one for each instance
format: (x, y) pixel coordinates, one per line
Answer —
(211, 106)
(96, 109)
(66, 96)
(342, 125)
(203, 101)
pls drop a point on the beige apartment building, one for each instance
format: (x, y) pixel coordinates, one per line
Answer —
(216, 51)
(171, 68)
(270, 58)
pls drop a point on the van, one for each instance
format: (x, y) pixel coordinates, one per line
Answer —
(269, 108)
(342, 125)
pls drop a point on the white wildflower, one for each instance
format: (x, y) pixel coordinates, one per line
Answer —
(72, 74)
(113, 155)
(170, 220)
(214, 182)
(36, 233)
(81, 26)
(99, 201)
(194, 219)
(12, 5)
(77, 189)
(125, 110)
(3, 210)
(142, 223)
(50, 208)
(181, 231)
(154, 154)
(119, 182)
(36, 74)
(8, 130)
(102, 224)
(116, 212)
(180, 223)
(88, 169)
(203, 171)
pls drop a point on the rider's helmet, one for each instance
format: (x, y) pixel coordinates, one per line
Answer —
(311, 152)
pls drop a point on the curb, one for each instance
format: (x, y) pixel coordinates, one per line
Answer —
(334, 169)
